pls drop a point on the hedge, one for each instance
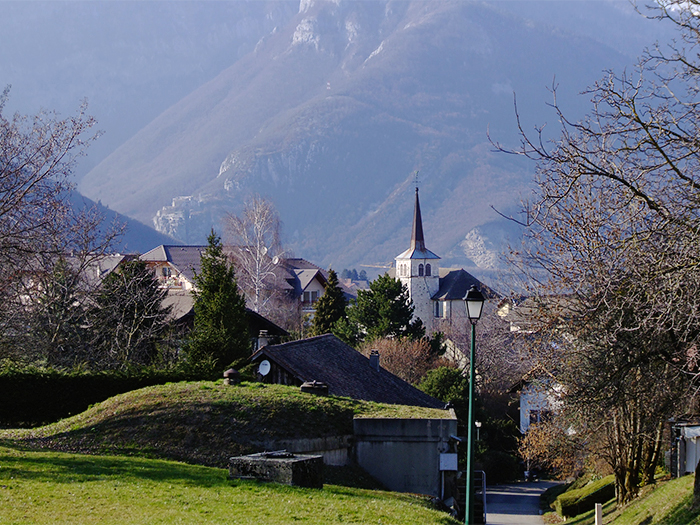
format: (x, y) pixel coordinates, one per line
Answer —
(578, 501)
(32, 397)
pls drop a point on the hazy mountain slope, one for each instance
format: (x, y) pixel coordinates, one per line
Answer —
(131, 60)
(332, 114)
(136, 238)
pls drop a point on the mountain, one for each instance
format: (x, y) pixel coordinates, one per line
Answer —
(130, 60)
(136, 237)
(329, 108)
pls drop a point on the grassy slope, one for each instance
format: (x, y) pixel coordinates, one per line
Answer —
(203, 422)
(199, 422)
(666, 504)
(56, 488)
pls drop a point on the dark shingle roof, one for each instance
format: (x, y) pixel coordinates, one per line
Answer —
(455, 284)
(345, 370)
(187, 259)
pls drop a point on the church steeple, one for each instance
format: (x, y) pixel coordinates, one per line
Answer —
(417, 249)
(417, 268)
(417, 239)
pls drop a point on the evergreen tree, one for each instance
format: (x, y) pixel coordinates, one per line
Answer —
(385, 310)
(220, 336)
(330, 307)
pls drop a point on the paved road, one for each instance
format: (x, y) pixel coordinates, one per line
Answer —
(516, 504)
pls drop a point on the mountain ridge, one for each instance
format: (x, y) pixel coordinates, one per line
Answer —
(332, 114)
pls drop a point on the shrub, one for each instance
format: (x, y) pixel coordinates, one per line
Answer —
(36, 396)
(578, 501)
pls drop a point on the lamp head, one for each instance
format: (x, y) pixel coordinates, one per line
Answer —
(475, 303)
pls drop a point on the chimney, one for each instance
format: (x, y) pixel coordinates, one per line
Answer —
(263, 339)
(374, 359)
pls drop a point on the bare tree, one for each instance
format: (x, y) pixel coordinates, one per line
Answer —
(549, 446)
(36, 157)
(408, 359)
(254, 242)
(128, 317)
(613, 227)
(46, 244)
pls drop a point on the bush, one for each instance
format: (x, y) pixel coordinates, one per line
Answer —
(37, 396)
(578, 501)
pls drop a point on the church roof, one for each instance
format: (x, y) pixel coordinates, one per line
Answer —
(413, 253)
(455, 284)
(417, 249)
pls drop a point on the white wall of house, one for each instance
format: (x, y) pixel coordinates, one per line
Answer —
(689, 449)
(312, 293)
(538, 401)
(169, 277)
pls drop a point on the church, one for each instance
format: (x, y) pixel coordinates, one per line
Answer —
(437, 294)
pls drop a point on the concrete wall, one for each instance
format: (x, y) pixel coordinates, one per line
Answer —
(334, 449)
(404, 454)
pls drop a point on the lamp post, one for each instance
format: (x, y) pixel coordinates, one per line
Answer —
(475, 304)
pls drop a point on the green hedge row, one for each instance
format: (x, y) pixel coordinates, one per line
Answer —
(578, 501)
(33, 397)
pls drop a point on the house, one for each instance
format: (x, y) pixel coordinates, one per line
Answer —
(540, 397)
(176, 265)
(437, 294)
(346, 372)
(261, 329)
(305, 281)
(684, 456)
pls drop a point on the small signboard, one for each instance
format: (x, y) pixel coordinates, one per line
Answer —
(448, 462)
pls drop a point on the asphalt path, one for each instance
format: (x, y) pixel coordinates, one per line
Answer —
(515, 504)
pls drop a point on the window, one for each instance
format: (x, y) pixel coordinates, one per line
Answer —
(166, 271)
(439, 309)
(534, 416)
(427, 270)
(310, 297)
(420, 270)
(540, 416)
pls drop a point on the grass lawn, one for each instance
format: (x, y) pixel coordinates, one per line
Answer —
(667, 503)
(54, 487)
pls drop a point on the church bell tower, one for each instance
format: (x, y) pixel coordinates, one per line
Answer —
(419, 270)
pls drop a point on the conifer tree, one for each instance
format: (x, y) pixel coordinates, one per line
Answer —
(220, 335)
(330, 307)
(385, 310)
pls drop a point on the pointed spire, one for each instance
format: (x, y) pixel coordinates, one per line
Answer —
(417, 240)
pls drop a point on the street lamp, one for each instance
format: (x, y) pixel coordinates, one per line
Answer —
(475, 304)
